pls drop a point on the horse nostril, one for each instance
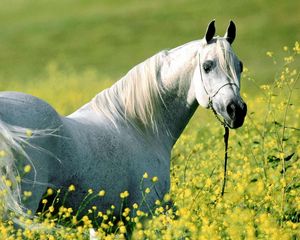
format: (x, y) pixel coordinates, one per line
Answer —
(231, 109)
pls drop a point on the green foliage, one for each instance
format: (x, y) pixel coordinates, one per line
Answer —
(112, 36)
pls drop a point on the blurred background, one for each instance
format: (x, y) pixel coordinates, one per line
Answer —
(66, 51)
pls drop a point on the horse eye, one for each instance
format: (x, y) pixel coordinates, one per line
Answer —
(241, 67)
(207, 66)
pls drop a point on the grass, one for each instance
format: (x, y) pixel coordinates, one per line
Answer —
(67, 51)
(112, 36)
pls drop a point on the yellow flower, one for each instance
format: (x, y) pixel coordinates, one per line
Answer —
(167, 197)
(90, 191)
(101, 193)
(122, 229)
(44, 201)
(74, 220)
(145, 175)
(139, 213)
(135, 205)
(49, 191)
(28, 132)
(8, 183)
(51, 209)
(27, 168)
(124, 194)
(289, 59)
(297, 47)
(154, 179)
(71, 188)
(2, 153)
(269, 54)
(208, 182)
(18, 179)
(147, 190)
(27, 193)
(85, 219)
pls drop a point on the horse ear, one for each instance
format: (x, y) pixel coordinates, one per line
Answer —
(210, 32)
(231, 32)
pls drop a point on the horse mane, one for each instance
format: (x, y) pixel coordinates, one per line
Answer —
(136, 97)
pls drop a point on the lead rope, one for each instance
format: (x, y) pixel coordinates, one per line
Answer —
(226, 134)
(226, 138)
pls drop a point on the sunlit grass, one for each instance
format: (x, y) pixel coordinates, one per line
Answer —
(262, 195)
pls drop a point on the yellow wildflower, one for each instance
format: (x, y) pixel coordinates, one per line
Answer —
(145, 175)
(2, 153)
(28, 132)
(49, 191)
(154, 179)
(122, 229)
(101, 193)
(27, 168)
(71, 188)
(135, 205)
(269, 54)
(51, 209)
(124, 194)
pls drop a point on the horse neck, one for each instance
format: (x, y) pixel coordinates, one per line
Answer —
(174, 74)
(179, 97)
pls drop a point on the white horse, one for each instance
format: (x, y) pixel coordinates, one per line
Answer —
(123, 132)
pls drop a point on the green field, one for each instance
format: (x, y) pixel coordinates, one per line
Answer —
(110, 37)
(67, 51)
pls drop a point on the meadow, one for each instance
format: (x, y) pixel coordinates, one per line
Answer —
(67, 57)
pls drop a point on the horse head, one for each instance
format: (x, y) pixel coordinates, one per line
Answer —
(217, 84)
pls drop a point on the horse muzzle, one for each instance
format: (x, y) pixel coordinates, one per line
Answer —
(236, 112)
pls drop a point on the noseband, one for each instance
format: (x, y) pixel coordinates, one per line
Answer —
(211, 96)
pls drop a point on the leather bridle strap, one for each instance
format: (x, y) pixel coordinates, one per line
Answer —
(211, 96)
(226, 128)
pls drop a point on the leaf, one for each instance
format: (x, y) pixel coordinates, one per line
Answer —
(253, 180)
(277, 123)
(289, 157)
(273, 159)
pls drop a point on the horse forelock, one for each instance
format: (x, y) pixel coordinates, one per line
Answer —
(136, 97)
(226, 59)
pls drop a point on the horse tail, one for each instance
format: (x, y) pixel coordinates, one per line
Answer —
(11, 140)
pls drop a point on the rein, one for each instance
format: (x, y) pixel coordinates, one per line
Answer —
(223, 123)
(226, 138)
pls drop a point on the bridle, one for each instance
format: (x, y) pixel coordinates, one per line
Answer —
(223, 122)
(211, 96)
